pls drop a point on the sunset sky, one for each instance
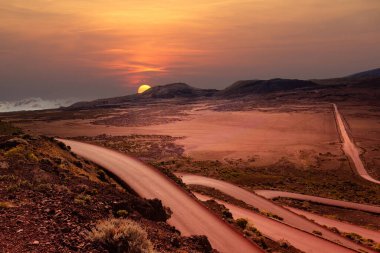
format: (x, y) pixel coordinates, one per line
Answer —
(89, 49)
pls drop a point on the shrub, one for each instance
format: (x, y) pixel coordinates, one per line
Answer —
(4, 204)
(272, 215)
(32, 157)
(102, 175)
(242, 223)
(284, 244)
(44, 187)
(46, 161)
(354, 236)
(122, 213)
(63, 146)
(254, 230)
(78, 164)
(17, 185)
(14, 151)
(227, 214)
(8, 178)
(121, 235)
(80, 188)
(82, 199)
(57, 160)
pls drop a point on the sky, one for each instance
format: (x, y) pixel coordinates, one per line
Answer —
(53, 49)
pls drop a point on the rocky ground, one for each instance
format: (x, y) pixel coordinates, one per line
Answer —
(50, 199)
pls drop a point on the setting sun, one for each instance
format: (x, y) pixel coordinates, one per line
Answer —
(143, 88)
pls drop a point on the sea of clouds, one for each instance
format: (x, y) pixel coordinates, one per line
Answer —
(32, 104)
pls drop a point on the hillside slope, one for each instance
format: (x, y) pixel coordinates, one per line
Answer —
(252, 87)
(50, 199)
(373, 73)
(168, 91)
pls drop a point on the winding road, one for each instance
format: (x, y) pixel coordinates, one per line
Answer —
(290, 218)
(341, 226)
(189, 216)
(350, 149)
(279, 231)
(331, 202)
(192, 218)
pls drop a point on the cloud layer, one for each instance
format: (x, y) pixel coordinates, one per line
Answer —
(32, 104)
(93, 49)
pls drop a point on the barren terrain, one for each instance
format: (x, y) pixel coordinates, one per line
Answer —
(267, 135)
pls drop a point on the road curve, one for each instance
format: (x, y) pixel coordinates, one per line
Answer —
(257, 201)
(350, 148)
(278, 231)
(189, 216)
(331, 202)
(341, 226)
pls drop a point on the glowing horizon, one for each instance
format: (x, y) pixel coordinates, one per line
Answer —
(64, 45)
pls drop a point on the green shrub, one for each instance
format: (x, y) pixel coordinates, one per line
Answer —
(122, 213)
(32, 157)
(14, 151)
(242, 223)
(82, 199)
(121, 235)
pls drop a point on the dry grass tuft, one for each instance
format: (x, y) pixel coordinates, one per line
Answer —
(121, 235)
(5, 204)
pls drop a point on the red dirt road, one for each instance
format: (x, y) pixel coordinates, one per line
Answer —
(289, 217)
(331, 202)
(350, 148)
(278, 231)
(189, 216)
(342, 226)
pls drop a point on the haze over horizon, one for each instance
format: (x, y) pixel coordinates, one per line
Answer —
(88, 49)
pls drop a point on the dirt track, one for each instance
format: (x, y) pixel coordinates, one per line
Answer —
(350, 148)
(331, 202)
(257, 201)
(279, 231)
(341, 226)
(189, 216)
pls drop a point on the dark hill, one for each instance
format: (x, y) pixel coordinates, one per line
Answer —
(176, 90)
(366, 74)
(250, 87)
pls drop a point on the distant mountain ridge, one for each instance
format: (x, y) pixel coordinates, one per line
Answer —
(249, 87)
(174, 90)
(243, 88)
(168, 91)
(373, 73)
